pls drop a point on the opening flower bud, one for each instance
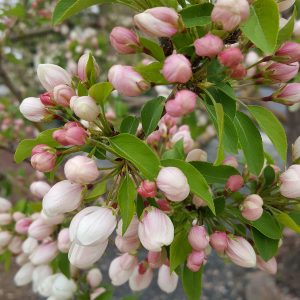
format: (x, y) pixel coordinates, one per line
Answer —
(124, 40)
(210, 45)
(252, 207)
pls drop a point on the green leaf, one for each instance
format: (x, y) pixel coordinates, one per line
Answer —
(250, 141)
(100, 92)
(262, 26)
(98, 190)
(155, 50)
(136, 151)
(129, 125)
(192, 283)
(266, 247)
(197, 182)
(215, 174)
(196, 15)
(151, 114)
(64, 9)
(268, 226)
(126, 199)
(177, 151)
(269, 176)
(151, 72)
(286, 31)
(231, 139)
(272, 127)
(105, 296)
(179, 249)
(63, 264)
(287, 221)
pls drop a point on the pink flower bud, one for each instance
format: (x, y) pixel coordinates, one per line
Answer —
(156, 259)
(39, 229)
(52, 75)
(168, 120)
(81, 169)
(94, 277)
(33, 109)
(132, 230)
(281, 72)
(24, 275)
(44, 253)
(154, 137)
(196, 155)
(198, 238)
(290, 51)
(230, 161)
(62, 95)
(5, 205)
(22, 225)
(230, 13)
(140, 280)
(5, 218)
(63, 240)
(234, 183)
(84, 257)
(177, 68)
(164, 205)
(155, 230)
(288, 95)
(231, 57)
(127, 81)
(125, 244)
(158, 22)
(92, 225)
(85, 108)
(173, 183)
(39, 188)
(238, 72)
(46, 99)
(63, 197)
(121, 268)
(43, 158)
(81, 68)
(76, 136)
(167, 280)
(195, 260)
(290, 182)
(5, 238)
(124, 40)
(210, 45)
(18, 216)
(252, 207)
(240, 252)
(15, 245)
(29, 245)
(269, 266)
(219, 241)
(185, 135)
(147, 189)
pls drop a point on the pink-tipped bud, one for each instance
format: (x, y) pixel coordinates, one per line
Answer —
(62, 95)
(156, 259)
(234, 183)
(210, 45)
(195, 260)
(289, 51)
(23, 225)
(290, 182)
(43, 158)
(252, 207)
(281, 72)
(158, 22)
(230, 161)
(72, 134)
(241, 252)
(63, 240)
(85, 108)
(288, 95)
(39, 230)
(33, 109)
(269, 266)
(125, 41)
(231, 57)
(127, 81)
(94, 277)
(177, 68)
(164, 205)
(46, 99)
(230, 13)
(198, 238)
(39, 188)
(238, 72)
(82, 64)
(219, 241)
(147, 189)
(173, 183)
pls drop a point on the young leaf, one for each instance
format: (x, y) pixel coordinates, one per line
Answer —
(126, 199)
(196, 15)
(136, 151)
(192, 283)
(272, 127)
(286, 31)
(262, 26)
(63, 264)
(129, 125)
(287, 221)
(151, 72)
(197, 182)
(98, 190)
(177, 151)
(250, 141)
(151, 114)
(155, 50)
(100, 92)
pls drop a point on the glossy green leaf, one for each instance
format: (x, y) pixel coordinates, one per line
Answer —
(177, 151)
(155, 50)
(192, 283)
(129, 125)
(100, 92)
(272, 127)
(137, 152)
(286, 31)
(64, 264)
(197, 182)
(251, 142)
(287, 221)
(262, 26)
(151, 114)
(98, 190)
(151, 72)
(196, 15)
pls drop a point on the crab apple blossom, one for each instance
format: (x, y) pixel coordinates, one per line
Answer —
(124, 40)
(279, 72)
(132, 229)
(198, 238)
(173, 183)
(156, 259)
(5, 238)
(252, 207)
(210, 45)
(47, 99)
(33, 109)
(29, 245)
(290, 182)
(39, 188)
(288, 95)
(158, 22)
(195, 260)
(147, 189)
(167, 280)
(62, 95)
(234, 183)
(219, 241)
(290, 52)
(39, 230)
(231, 57)
(140, 279)
(155, 230)
(127, 244)
(5, 218)
(269, 266)
(44, 253)
(82, 67)
(94, 277)
(39, 274)
(63, 288)
(22, 225)
(5, 205)
(85, 108)
(24, 275)
(43, 158)
(63, 240)
(15, 245)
